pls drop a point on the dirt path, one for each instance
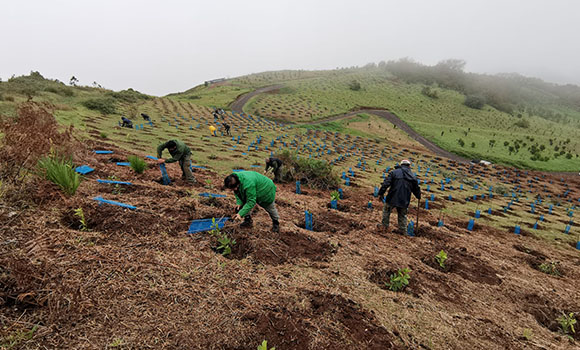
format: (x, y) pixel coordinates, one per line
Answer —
(238, 105)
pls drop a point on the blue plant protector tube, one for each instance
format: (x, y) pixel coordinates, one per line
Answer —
(470, 225)
(440, 223)
(517, 230)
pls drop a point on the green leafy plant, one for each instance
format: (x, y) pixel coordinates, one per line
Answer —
(208, 183)
(441, 258)
(567, 323)
(16, 338)
(60, 171)
(103, 135)
(399, 280)
(527, 334)
(212, 157)
(117, 343)
(81, 215)
(138, 164)
(226, 244)
(264, 346)
(334, 196)
(551, 268)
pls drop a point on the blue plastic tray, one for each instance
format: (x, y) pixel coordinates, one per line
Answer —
(84, 169)
(113, 182)
(206, 194)
(103, 152)
(205, 225)
(128, 206)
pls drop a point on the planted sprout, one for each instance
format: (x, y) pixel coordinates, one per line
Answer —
(551, 268)
(441, 258)
(334, 196)
(399, 280)
(567, 323)
(81, 215)
(137, 163)
(264, 346)
(226, 244)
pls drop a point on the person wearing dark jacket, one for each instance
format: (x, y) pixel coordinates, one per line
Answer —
(146, 117)
(227, 127)
(275, 164)
(401, 183)
(126, 123)
(251, 188)
(179, 153)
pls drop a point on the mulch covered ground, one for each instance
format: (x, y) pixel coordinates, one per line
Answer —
(136, 280)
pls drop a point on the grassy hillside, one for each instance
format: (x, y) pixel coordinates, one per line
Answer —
(526, 137)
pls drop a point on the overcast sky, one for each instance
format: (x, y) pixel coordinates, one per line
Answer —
(159, 47)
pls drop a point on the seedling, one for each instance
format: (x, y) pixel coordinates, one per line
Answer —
(567, 323)
(441, 258)
(551, 268)
(226, 244)
(527, 334)
(81, 215)
(138, 164)
(209, 184)
(334, 196)
(399, 280)
(264, 346)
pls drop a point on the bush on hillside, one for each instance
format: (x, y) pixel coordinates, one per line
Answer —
(522, 123)
(313, 172)
(105, 105)
(354, 85)
(474, 101)
(138, 164)
(129, 96)
(432, 93)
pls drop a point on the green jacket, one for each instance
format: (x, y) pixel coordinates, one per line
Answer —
(254, 188)
(181, 151)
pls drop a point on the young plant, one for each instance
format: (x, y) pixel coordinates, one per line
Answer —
(226, 244)
(60, 171)
(527, 334)
(441, 258)
(264, 346)
(138, 164)
(81, 215)
(399, 280)
(208, 183)
(334, 196)
(551, 268)
(567, 323)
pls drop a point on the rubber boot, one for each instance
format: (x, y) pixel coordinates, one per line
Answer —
(247, 221)
(275, 226)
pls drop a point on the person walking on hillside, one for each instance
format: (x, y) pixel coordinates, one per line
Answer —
(251, 188)
(275, 164)
(401, 183)
(179, 153)
(227, 127)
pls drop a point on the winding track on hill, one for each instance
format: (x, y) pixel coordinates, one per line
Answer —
(238, 105)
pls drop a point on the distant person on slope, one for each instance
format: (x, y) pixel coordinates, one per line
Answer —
(126, 123)
(227, 127)
(251, 188)
(146, 117)
(179, 153)
(275, 164)
(401, 183)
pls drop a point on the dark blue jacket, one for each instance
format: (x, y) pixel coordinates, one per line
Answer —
(401, 183)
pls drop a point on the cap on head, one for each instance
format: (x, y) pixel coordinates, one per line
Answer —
(405, 162)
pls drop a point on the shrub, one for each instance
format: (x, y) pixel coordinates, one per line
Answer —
(60, 171)
(103, 135)
(461, 142)
(105, 105)
(9, 98)
(474, 101)
(354, 85)
(138, 164)
(399, 280)
(550, 268)
(427, 91)
(522, 123)
(316, 173)
(129, 96)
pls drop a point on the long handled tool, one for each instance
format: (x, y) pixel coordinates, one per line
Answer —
(418, 209)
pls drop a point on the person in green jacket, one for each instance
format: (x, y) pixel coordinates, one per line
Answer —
(179, 153)
(251, 188)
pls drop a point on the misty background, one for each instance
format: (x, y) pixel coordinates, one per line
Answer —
(170, 46)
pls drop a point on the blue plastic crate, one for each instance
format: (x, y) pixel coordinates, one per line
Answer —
(203, 225)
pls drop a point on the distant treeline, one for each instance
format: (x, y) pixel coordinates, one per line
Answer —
(511, 93)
